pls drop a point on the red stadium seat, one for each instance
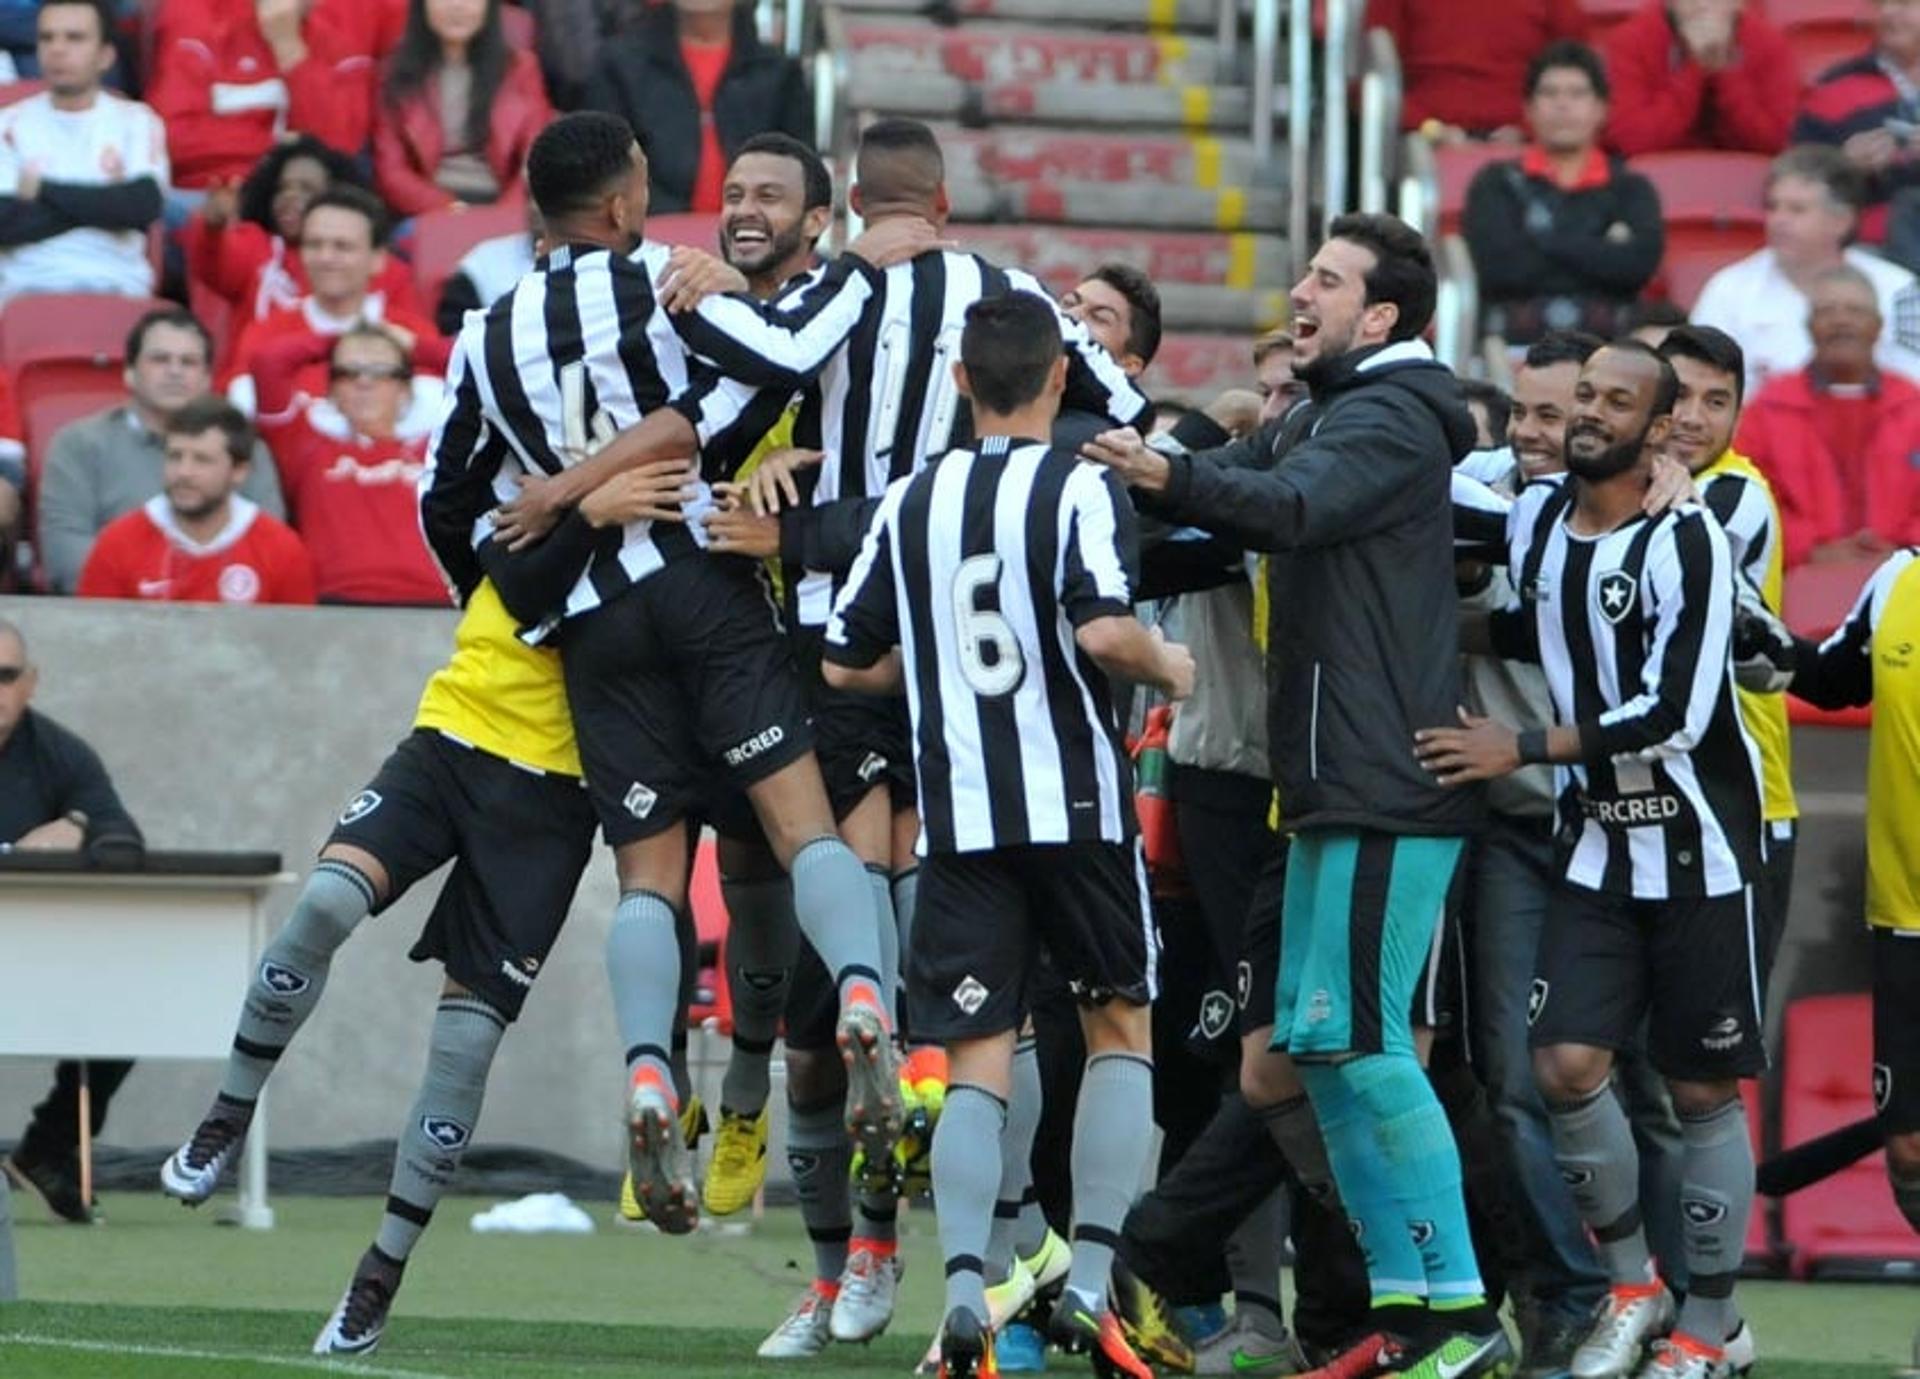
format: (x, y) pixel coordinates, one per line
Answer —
(1456, 165)
(442, 238)
(1818, 597)
(1846, 1226)
(1712, 203)
(69, 326)
(1820, 43)
(51, 395)
(712, 1005)
(12, 91)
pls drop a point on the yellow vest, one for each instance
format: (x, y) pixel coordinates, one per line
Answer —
(1893, 760)
(499, 694)
(1765, 714)
(779, 437)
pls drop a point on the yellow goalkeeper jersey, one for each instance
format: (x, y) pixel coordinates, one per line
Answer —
(499, 694)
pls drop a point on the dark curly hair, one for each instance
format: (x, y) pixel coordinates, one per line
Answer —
(256, 193)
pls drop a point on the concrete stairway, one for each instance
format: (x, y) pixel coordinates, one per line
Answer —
(1084, 131)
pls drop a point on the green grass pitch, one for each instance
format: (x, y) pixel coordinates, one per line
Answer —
(164, 1293)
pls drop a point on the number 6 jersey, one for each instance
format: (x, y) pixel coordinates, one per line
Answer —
(980, 568)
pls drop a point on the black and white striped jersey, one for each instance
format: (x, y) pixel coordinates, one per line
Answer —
(579, 351)
(1745, 514)
(886, 401)
(1634, 632)
(979, 569)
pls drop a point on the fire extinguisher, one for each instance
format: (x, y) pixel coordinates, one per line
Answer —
(1151, 804)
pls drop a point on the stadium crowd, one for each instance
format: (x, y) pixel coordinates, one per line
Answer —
(591, 441)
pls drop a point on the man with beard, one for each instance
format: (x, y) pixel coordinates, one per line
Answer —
(1358, 518)
(199, 541)
(1660, 823)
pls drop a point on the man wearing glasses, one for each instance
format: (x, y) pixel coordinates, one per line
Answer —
(349, 461)
(54, 796)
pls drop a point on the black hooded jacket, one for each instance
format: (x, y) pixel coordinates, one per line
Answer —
(643, 78)
(1363, 646)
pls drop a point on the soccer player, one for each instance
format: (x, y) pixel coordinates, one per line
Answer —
(1361, 647)
(489, 778)
(1870, 660)
(1712, 371)
(1660, 803)
(1001, 574)
(678, 678)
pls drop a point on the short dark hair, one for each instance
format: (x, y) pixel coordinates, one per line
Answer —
(1652, 311)
(1402, 272)
(1561, 347)
(344, 196)
(176, 316)
(1667, 391)
(1564, 53)
(1826, 165)
(1009, 345)
(256, 193)
(899, 160)
(575, 159)
(813, 169)
(102, 11)
(214, 413)
(1143, 306)
(1711, 346)
(369, 330)
(1492, 397)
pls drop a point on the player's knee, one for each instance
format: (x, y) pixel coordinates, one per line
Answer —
(1702, 1100)
(1117, 1026)
(1268, 1079)
(814, 1076)
(1567, 1073)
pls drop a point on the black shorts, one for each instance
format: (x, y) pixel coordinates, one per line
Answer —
(682, 689)
(985, 916)
(1437, 997)
(1694, 968)
(862, 740)
(1896, 1029)
(518, 841)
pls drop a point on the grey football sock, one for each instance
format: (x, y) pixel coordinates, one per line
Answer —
(879, 1217)
(292, 973)
(1016, 1159)
(889, 934)
(643, 968)
(1030, 1227)
(833, 901)
(1109, 1156)
(762, 943)
(820, 1155)
(1253, 1254)
(906, 895)
(966, 1174)
(1716, 1196)
(1297, 1132)
(1593, 1145)
(466, 1034)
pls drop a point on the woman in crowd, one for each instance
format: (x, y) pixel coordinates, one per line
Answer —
(458, 110)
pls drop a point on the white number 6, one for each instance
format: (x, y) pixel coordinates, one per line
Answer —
(982, 629)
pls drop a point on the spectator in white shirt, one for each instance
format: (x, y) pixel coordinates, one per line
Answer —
(1813, 208)
(82, 170)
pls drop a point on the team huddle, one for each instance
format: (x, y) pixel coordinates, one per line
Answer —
(839, 559)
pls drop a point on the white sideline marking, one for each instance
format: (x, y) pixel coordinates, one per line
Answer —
(344, 1364)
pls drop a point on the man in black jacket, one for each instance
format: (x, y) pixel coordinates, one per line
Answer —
(1362, 643)
(54, 796)
(690, 124)
(1564, 237)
